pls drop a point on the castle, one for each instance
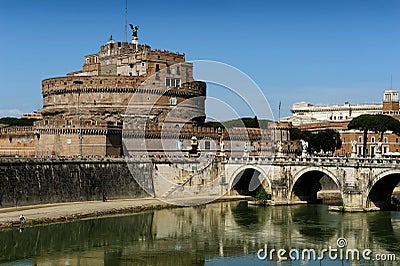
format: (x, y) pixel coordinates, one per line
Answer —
(85, 111)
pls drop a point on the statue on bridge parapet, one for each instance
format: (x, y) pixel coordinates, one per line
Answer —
(246, 150)
(222, 148)
(304, 145)
(378, 152)
(353, 149)
(280, 148)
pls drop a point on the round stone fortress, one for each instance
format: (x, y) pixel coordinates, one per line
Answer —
(102, 90)
(83, 112)
(104, 99)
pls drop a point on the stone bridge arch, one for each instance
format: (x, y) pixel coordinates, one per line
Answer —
(305, 184)
(379, 190)
(241, 177)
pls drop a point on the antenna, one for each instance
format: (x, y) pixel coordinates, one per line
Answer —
(391, 81)
(126, 18)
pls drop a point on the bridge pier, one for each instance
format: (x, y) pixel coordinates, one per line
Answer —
(279, 194)
(352, 201)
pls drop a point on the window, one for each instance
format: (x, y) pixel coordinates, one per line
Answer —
(360, 150)
(168, 70)
(173, 101)
(178, 70)
(207, 145)
(373, 139)
(359, 139)
(157, 67)
(385, 139)
(385, 149)
(171, 82)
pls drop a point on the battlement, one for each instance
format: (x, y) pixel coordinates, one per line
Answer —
(6, 131)
(63, 85)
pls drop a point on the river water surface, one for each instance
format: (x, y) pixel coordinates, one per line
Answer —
(228, 233)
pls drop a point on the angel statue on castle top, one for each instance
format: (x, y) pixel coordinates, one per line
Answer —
(134, 30)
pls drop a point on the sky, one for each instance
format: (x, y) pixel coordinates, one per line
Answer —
(318, 51)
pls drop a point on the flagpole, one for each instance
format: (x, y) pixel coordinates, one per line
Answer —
(279, 113)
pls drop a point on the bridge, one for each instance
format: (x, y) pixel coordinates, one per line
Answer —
(363, 184)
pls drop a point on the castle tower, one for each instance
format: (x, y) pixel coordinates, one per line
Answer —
(390, 101)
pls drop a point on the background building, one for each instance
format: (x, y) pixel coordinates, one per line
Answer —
(319, 117)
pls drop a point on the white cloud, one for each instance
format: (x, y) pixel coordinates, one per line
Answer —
(11, 112)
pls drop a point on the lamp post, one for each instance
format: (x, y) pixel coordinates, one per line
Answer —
(78, 83)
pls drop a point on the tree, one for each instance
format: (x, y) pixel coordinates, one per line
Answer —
(12, 121)
(376, 123)
(327, 140)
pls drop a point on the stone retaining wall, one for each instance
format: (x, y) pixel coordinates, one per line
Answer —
(27, 181)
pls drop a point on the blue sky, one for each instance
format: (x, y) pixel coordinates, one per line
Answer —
(318, 51)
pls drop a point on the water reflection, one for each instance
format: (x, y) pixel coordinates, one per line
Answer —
(222, 233)
(314, 224)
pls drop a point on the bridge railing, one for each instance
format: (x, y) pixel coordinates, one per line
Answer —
(312, 159)
(344, 161)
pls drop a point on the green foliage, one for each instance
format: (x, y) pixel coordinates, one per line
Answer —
(262, 196)
(377, 123)
(296, 134)
(12, 121)
(327, 140)
(214, 124)
(247, 122)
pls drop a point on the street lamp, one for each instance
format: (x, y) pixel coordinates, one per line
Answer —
(79, 83)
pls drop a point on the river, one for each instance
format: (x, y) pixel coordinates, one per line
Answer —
(230, 233)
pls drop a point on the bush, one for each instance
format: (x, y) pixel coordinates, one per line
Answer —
(262, 196)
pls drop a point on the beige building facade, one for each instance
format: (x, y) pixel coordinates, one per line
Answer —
(342, 115)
